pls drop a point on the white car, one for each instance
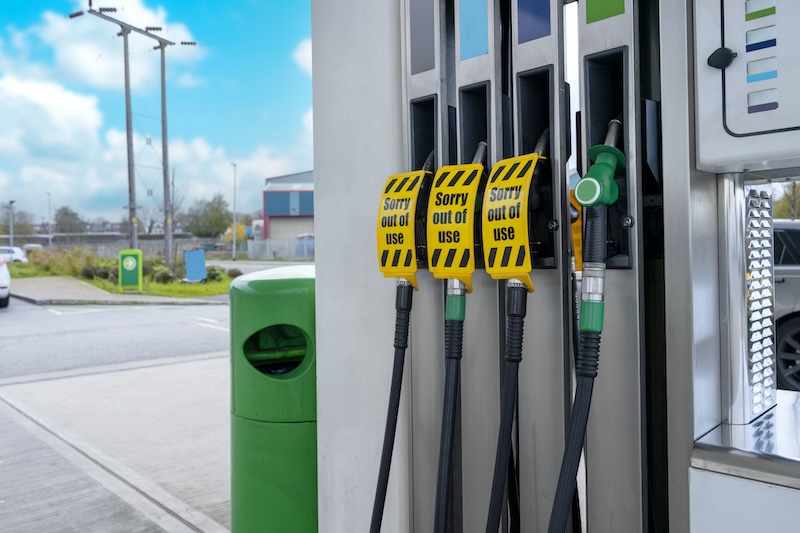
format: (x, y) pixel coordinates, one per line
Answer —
(13, 254)
(5, 284)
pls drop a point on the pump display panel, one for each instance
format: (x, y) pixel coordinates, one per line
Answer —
(748, 76)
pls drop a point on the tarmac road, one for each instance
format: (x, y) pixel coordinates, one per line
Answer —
(106, 423)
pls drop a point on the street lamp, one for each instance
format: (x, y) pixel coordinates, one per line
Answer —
(49, 224)
(234, 211)
(11, 225)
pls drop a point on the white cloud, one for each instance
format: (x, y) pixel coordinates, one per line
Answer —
(53, 139)
(43, 119)
(302, 56)
(188, 81)
(87, 49)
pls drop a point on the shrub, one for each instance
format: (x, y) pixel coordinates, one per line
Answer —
(88, 272)
(148, 268)
(163, 277)
(214, 273)
(234, 273)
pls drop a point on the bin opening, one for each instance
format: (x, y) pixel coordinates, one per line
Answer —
(276, 350)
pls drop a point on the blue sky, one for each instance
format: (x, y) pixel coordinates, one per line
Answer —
(242, 95)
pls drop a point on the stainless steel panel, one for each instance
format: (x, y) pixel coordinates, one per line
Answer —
(690, 260)
(776, 432)
(746, 298)
(766, 450)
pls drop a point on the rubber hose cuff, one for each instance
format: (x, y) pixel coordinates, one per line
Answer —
(453, 338)
(403, 307)
(588, 354)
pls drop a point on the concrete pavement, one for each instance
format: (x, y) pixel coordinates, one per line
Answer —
(134, 447)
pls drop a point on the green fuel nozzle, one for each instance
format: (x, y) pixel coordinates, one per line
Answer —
(597, 187)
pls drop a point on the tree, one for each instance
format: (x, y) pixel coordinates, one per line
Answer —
(245, 220)
(68, 221)
(23, 222)
(209, 218)
(786, 206)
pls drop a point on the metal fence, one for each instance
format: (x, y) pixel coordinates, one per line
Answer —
(292, 249)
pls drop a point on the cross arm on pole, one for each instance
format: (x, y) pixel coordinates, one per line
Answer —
(128, 27)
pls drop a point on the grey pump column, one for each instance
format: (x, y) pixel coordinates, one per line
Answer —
(427, 126)
(615, 452)
(540, 103)
(478, 60)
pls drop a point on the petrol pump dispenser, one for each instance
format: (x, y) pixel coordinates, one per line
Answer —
(510, 197)
(453, 244)
(401, 248)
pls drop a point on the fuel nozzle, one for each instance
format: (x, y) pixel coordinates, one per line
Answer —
(597, 187)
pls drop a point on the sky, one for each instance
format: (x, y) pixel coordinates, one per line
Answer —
(241, 95)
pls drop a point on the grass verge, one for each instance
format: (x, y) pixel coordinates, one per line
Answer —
(159, 279)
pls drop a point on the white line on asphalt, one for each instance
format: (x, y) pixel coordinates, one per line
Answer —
(211, 326)
(203, 319)
(116, 367)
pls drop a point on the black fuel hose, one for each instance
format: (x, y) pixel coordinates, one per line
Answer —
(585, 370)
(403, 306)
(453, 338)
(516, 303)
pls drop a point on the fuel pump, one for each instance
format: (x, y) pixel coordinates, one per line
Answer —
(596, 191)
(511, 194)
(454, 248)
(401, 247)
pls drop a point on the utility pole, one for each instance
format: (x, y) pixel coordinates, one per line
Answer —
(165, 149)
(125, 29)
(234, 211)
(134, 222)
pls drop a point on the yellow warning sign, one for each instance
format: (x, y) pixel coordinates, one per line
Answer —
(506, 244)
(397, 253)
(451, 222)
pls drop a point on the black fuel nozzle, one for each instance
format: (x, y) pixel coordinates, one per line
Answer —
(480, 154)
(542, 149)
(420, 216)
(430, 164)
(480, 158)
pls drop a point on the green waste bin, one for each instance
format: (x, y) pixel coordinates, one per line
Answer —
(273, 402)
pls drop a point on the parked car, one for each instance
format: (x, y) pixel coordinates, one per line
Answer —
(32, 246)
(5, 284)
(13, 254)
(787, 302)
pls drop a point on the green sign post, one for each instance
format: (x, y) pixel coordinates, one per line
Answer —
(130, 269)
